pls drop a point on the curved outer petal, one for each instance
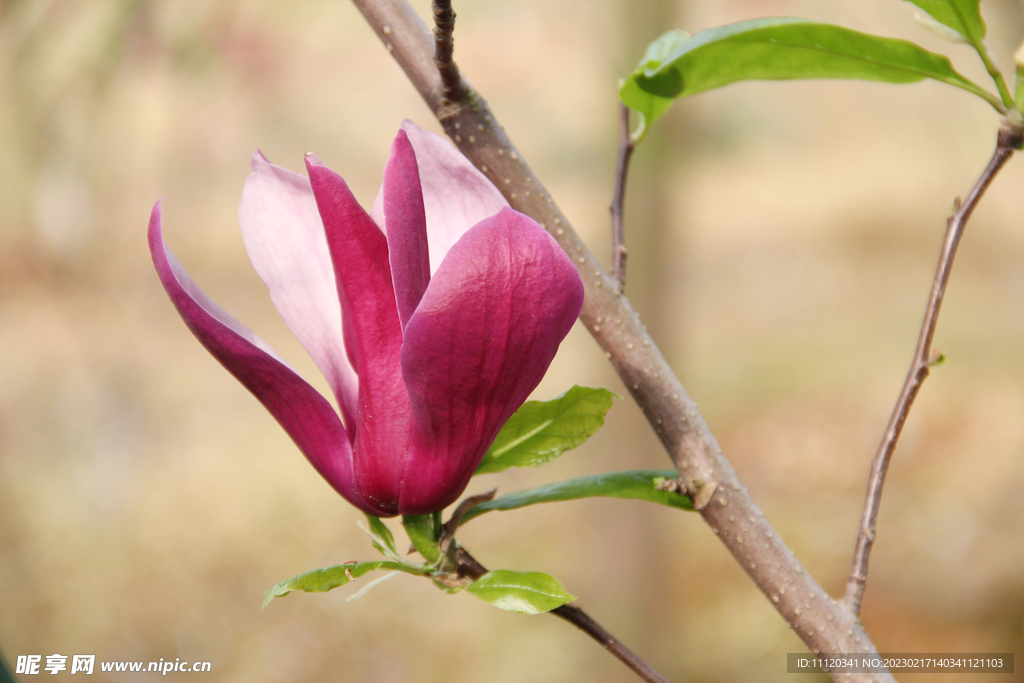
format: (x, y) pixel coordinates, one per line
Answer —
(373, 336)
(285, 240)
(306, 416)
(480, 341)
(456, 196)
(407, 233)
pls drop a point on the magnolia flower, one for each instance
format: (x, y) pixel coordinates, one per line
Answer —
(432, 317)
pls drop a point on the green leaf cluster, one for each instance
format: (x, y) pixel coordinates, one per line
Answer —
(537, 433)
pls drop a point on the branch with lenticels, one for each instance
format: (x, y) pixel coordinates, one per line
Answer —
(824, 624)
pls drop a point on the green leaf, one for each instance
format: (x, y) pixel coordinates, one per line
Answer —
(963, 16)
(540, 431)
(329, 578)
(381, 538)
(523, 592)
(383, 533)
(779, 49)
(635, 484)
(423, 535)
(1019, 92)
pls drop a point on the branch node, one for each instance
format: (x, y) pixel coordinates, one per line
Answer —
(1011, 136)
(701, 492)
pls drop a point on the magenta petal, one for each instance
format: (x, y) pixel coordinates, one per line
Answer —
(373, 336)
(285, 241)
(480, 341)
(456, 196)
(406, 227)
(305, 415)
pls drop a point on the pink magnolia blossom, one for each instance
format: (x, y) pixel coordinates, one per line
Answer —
(432, 317)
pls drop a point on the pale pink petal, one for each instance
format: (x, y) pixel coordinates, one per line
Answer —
(407, 227)
(305, 415)
(285, 240)
(480, 341)
(373, 336)
(456, 196)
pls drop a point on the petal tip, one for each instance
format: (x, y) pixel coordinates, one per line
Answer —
(155, 221)
(257, 160)
(313, 160)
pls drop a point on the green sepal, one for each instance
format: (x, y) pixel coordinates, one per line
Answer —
(423, 535)
(655, 486)
(329, 578)
(523, 592)
(540, 431)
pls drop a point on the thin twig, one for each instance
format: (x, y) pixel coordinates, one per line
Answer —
(469, 567)
(574, 615)
(1008, 140)
(619, 252)
(444, 47)
(821, 622)
(451, 526)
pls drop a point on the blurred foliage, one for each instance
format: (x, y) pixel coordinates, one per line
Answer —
(781, 254)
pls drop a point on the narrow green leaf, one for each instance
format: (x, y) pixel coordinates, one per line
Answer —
(381, 538)
(1019, 93)
(329, 578)
(381, 531)
(523, 592)
(540, 431)
(963, 16)
(635, 484)
(779, 49)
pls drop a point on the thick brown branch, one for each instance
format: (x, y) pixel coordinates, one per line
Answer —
(822, 623)
(619, 252)
(469, 567)
(1008, 140)
(444, 47)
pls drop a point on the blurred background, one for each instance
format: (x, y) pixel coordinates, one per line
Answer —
(782, 240)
